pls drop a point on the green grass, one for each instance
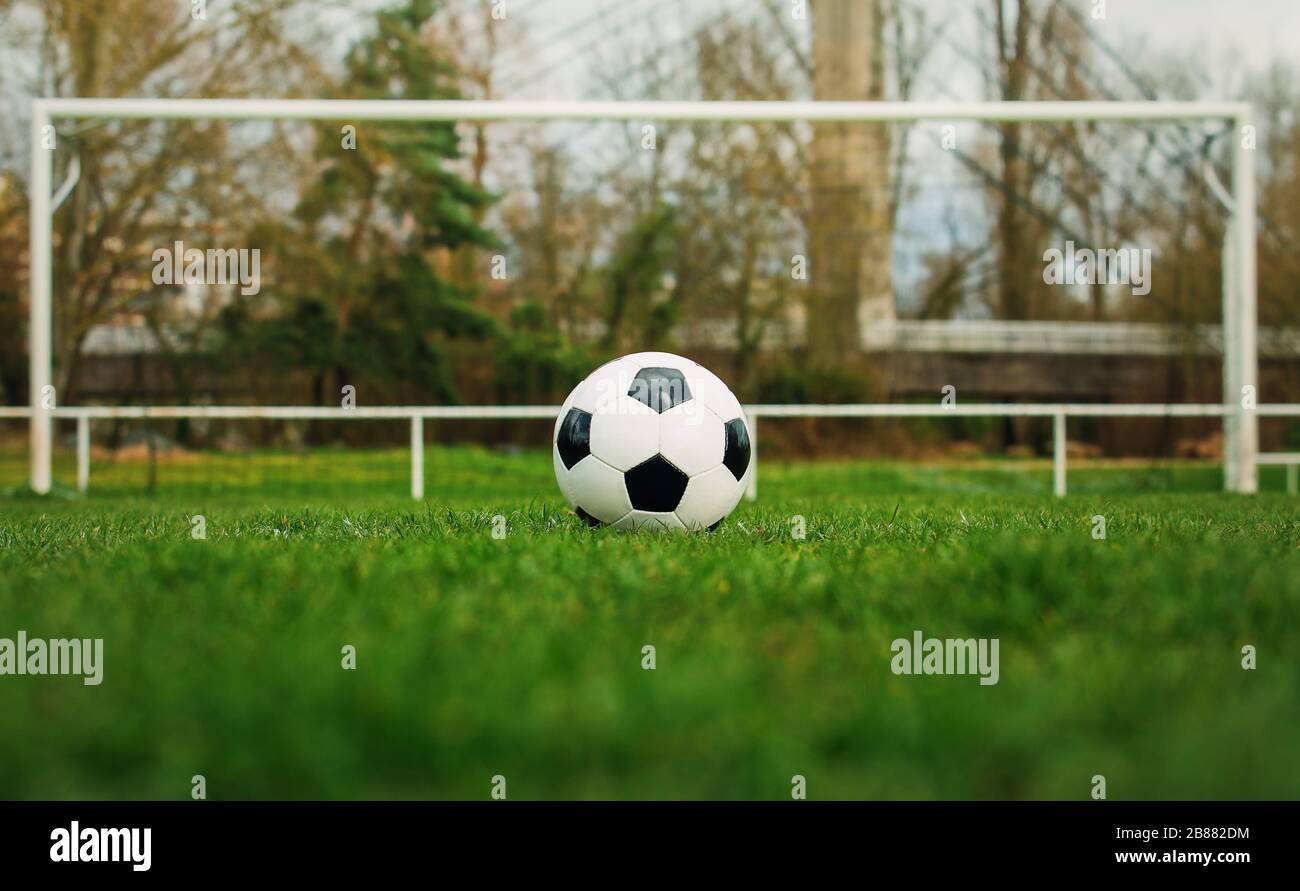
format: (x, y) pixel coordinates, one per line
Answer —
(522, 657)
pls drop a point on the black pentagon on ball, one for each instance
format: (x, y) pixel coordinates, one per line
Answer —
(586, 517)
(655, 485)
(574, 440)
(659, 388)
(736, 456)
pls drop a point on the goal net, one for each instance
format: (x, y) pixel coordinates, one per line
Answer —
(980, 290)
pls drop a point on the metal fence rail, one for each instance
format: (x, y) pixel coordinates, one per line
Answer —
(416, 415)
(1065, 338)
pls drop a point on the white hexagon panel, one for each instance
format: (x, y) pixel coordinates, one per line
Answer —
(717, 396)
(625, 433)
(708, 498)
(598, 491)
(692, 438)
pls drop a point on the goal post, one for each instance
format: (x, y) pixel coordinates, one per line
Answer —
(1240, 362)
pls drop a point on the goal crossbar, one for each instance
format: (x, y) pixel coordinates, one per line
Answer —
(752, 112)
(1240, 362)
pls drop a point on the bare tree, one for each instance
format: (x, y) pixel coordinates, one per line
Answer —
(135, 190)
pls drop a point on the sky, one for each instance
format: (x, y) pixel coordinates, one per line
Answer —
(1215, 45)
(1227, 38)
(1262, 30)
(560, 47)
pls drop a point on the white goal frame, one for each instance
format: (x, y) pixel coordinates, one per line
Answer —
(1240, 361)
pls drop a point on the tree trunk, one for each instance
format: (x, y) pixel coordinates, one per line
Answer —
(849, 233)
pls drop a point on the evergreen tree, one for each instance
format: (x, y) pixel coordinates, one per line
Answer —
(362, 295)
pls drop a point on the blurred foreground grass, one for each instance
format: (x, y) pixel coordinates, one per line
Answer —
(522, 657)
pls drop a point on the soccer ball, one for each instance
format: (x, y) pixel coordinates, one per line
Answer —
(652, 440)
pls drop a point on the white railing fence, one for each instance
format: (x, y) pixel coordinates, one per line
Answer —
(416, 415)
(1291, 461)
